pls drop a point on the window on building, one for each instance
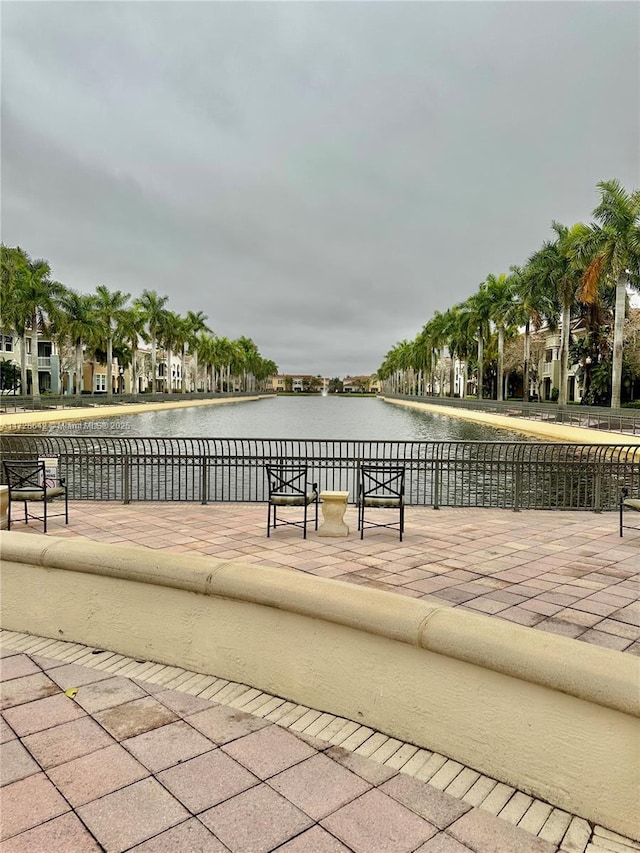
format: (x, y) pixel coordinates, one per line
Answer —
(100, 382)
(8, 343)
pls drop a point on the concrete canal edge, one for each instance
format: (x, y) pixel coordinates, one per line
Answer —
(30, 420)
(554, 717)
(550, 432)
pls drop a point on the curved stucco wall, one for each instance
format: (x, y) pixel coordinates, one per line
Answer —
(551, 716)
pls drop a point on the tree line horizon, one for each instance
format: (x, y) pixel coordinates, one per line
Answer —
(581, 274)
(105, 324)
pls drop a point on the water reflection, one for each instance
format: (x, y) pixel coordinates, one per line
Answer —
(331, 417)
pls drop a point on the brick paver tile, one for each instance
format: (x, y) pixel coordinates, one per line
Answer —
(314, 840)
(376, 823)
(132, 815)
(27, 803)
(207, 780)
(443, 843)
(269, 751)
(67, 741)
(96, 774)
(576, 837)
(6, 732)
(182, 704)
(255, 821)
(222, 724)
(16, 763)
(188, 837)
(42, 714)
(135, 718)
(168, 745)
(368, 770)
(17, 666)
(19, 691)
(433, 805)
(108, 693)
(64, 833)
(485, 833)
(319, 786)
(72, 675)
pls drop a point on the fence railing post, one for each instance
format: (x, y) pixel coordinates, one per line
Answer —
(436, 484)
(517, 487)
(597, 490)
(204, 480)
(126, 480)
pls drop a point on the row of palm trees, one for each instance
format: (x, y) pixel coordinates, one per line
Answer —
(584, 271)
(100, 326)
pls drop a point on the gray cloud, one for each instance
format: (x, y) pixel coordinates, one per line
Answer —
(319, 176)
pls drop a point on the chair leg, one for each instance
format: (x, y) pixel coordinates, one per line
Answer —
(26, 517)
(9, 514)
(304, 523)
(268, 520)
(66, 508)
(45, 515)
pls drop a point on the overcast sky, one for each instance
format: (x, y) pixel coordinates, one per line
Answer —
(321, 177)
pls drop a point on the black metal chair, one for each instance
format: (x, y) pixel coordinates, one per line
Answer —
(289, 486)
(628, 503)
(26, 479)
(381, 487)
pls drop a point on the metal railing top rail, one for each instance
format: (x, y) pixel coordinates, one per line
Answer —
(536, 475)
(10, 402)
(591, 417)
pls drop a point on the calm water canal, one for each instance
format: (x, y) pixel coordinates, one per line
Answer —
(331, 417)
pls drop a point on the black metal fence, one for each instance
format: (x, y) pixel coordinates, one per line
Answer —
(591, 417)
(516, 475)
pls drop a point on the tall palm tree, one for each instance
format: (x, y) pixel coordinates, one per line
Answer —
(109, 311)
(152, 307)
(504, 313)
(552, 269)
(36, 296)
(479, 306)
(197, 325)
(14, 317)
(170, 335)
(609, 251)
(132, 328)
(76, 320)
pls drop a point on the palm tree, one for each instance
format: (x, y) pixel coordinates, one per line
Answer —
(609, 249)
(553, 270)
(479, 306)
(132, 328)
(109, 310)
(13, 315)
(504, 313)
(152, 307)
(197, 325)
(36, 295)
(76, 320)
(171, 336)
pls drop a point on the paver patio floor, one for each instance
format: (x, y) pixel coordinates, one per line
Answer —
(565, 572)
(96, 761)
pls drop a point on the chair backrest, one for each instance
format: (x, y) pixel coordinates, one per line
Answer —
(382, 481)
(25, 475)
(287, 479)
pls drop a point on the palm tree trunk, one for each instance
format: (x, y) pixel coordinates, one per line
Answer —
(183, 369)
(500, 383)
(153, 364)
(35, 383)
(618, 327)
(480, 365)
(134, 368)
(564, 354)
(527, 358)
(23, 363)
(109, 366)
(79, 368)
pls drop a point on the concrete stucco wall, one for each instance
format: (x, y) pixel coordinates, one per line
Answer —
(554, 717)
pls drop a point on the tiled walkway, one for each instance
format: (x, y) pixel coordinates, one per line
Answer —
(96, 759)
(565, 572)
